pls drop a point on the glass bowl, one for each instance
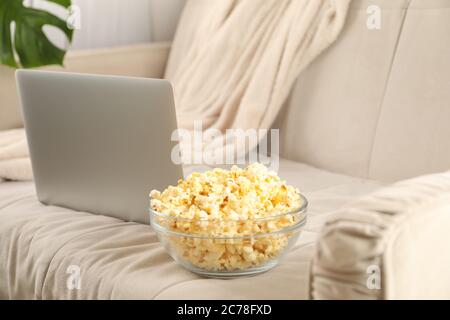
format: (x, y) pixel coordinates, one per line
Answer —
(220, 248)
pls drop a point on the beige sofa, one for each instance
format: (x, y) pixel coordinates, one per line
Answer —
(372, 110)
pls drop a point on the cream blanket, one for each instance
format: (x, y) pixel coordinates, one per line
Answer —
(233, 64)
(14, 160)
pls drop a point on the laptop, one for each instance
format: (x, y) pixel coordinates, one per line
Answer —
(99, 143)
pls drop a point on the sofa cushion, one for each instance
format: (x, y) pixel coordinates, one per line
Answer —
(331, 116)
(375, 104)
(120, 259)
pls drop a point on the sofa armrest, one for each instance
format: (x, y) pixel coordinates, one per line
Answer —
(392, 244)
(143, 60)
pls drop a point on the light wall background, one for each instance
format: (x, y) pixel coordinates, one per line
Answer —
(108, 23)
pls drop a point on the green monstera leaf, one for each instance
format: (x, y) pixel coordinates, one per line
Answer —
(32, 46)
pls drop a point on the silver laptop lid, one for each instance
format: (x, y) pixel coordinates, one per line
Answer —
(99, 143)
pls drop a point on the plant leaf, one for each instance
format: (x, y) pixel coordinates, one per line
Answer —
(32, 46)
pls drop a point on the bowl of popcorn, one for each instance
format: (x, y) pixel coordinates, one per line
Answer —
(228, 223)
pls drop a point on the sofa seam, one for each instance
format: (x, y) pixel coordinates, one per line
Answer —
(386, 87)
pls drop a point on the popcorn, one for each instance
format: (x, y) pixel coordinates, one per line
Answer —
(234, 213)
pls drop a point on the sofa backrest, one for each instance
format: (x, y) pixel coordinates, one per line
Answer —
(377, 103)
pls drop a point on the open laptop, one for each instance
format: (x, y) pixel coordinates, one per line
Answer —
(99, 143)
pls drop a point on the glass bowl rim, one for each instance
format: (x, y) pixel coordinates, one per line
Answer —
(300, 210)
(291, 228)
